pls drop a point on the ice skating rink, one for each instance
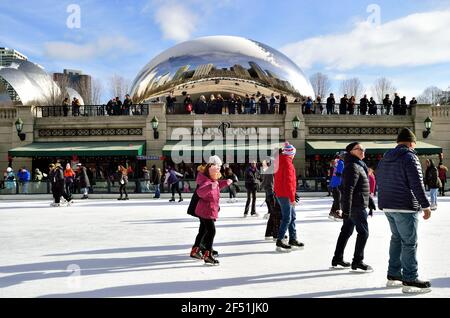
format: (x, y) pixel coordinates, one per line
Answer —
(140, 248)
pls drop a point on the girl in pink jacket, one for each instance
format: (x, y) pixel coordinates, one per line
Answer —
(207, 209)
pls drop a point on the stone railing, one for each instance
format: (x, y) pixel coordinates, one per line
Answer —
(8, 113)
(440, 111)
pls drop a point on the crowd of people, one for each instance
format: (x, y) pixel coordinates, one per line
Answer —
(276, 104)
(398, 182)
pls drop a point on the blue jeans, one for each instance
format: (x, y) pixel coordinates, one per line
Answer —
(157, 191)
(403, 248)
(288, 219)
(433, 196)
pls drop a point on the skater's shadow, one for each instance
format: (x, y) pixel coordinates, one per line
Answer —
(157, 248)
(101, 266)
(195, 286)
(442, 282)
(371, 293)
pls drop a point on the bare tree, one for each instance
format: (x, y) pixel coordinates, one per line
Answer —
(381, 87)
(321, 84)
(352, 87)
(56, 92)
(96, 92)
(84, 88)
(118, 86)
(431, 95)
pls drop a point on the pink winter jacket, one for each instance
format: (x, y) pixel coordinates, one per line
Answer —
(209, 193)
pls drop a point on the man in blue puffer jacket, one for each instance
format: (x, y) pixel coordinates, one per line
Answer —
(401, 195)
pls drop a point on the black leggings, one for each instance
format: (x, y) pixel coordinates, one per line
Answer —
(174, 187)
(206, 234)
(123, 189)
(336, 199)
(251, 193)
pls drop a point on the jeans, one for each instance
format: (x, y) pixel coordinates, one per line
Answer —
(336, 199)
(157, 191)
(403, 247)
(287, 219)
(358, 220)
(433, 196)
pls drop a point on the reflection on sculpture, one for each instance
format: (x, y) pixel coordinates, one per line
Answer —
(27, 83)
(220, 58)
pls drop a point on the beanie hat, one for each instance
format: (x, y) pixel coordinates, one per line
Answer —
(406, 135)
(215, 160)
(351, 146)
(8, 169)
(288, 149)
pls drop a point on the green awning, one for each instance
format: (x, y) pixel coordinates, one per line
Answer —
(235, 147)
(372, 147)
(81, 149)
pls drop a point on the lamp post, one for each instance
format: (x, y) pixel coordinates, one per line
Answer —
(155, 124)
(428, 124)
(296, 125)
(19, 128)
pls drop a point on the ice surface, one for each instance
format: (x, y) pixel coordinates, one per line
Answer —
(140, 248)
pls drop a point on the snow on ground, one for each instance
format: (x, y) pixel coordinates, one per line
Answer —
(140, 248)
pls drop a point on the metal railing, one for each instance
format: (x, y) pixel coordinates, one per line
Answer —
(225, 108)
(90, 111)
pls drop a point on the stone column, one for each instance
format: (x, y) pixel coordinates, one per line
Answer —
(154, 146)
(294, 109)
(24, 113)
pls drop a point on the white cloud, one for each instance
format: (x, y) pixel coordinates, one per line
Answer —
(176, 21)
(101, 47)
(417, 39)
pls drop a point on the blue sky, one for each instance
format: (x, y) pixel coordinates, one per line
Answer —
(410, 46)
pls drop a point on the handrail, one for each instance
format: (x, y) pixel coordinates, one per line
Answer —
(90, 111)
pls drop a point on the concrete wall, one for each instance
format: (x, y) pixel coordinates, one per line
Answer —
(440, 134)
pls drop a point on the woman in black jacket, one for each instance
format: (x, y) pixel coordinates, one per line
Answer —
(355, 199)
(252, 179)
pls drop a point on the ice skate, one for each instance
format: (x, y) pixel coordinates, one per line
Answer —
(361, 268)
(196, 253)
(335, 216)
(296, 245)
(416, 287)
(282, 247)
(209, 259)
(393, 281)
(339, 264)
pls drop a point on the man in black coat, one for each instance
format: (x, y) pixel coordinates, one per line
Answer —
(330, 104)
(363, 105)
(343, 105)
(387, 104)
(396, 106)
(354, 201)
(57, 179)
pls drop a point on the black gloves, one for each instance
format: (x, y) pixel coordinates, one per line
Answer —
(372, 206)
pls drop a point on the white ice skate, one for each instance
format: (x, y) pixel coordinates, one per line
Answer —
(415, 290)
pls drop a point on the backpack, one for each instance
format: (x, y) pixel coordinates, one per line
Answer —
(193, 204)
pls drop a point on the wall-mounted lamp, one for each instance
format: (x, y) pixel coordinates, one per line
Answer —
(295, 124)
(428, 124)
(19, 128)
(155, 124)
